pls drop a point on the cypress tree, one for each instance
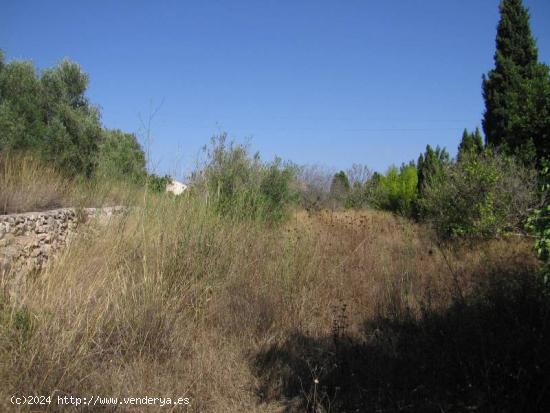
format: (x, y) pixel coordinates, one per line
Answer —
(340, 184)
(471, 143)
(478, 141)
(516, 91)
(430, 164)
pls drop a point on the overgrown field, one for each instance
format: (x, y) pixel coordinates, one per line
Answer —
(333, 311)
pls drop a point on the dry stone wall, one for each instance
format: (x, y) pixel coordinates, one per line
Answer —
(28, 240)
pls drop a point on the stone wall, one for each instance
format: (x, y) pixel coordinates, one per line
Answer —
(28, 240)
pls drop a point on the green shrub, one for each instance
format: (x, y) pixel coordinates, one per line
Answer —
(538, 222)
(277, 190)
(357, 197)
(396, 190)
(157, 183)
(481, 196)
(120, 157)
(239, 185)
(430, 164)
(339, 189)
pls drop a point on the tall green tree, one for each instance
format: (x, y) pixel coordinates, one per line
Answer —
(121, 157)
(396, 191)
(21, 120)
(517, 90)
(340, 183)
(471, 143)
(50, 115)
(430, 164)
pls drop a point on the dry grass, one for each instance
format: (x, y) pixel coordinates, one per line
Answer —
(28, 184)
(172, 300)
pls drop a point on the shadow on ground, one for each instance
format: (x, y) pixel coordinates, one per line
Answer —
(489, 352)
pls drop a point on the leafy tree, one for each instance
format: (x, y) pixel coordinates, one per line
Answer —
(360, 177)
(482, 196)
(339, 187)
(539, 222)
(517, 90)
(120, 157)
(49, 115)
(397, 189)
(73, 128)
(430, 164)
(21, 118)
(340, 183)
(471, 143)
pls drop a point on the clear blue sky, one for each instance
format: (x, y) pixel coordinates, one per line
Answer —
(320, 82)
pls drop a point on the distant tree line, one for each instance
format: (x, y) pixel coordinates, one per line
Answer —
(491, 187)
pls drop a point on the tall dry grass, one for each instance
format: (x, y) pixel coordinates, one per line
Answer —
(173, 300)
(28, 184)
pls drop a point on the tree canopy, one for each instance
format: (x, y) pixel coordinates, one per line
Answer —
(517, 90)
(49, 114)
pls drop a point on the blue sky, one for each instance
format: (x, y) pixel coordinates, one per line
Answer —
(316, 82)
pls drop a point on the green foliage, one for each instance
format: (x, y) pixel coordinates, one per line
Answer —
(157, 183)
(430, 164)
(21, 117)
(340, 183)
(239, 185)
(396, 191)
(120, 157)
(481, 196)
(49, 115)
(358, 196)
(359, 179)
(471, 143)
(539, 222)
(517, 90)
(276, 190)
(339, 188)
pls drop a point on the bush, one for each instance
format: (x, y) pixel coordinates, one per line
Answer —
(396, 191)
(157, 183)
(538, 222)
(239, 185)
(481, 196)
(120, 157)
(431, 163)
(277, 190)
(339, 189)
(359, 176)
